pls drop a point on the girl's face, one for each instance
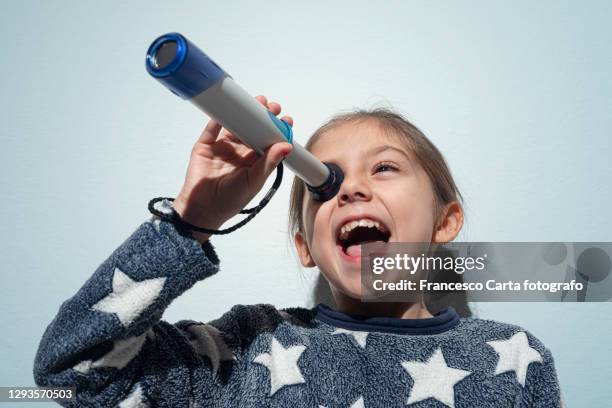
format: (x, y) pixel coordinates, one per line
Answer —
(383, 184)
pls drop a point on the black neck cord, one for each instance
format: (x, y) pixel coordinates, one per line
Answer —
(176, 219)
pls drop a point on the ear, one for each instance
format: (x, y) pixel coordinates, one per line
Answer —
(449, 223)
(303, 251)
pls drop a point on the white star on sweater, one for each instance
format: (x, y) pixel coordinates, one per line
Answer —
(135, 399)
(129, 298)
(122, 353)
(433, 379)
(360, 336)
(208, 342)
(357, 404)
(282, 363)
(515, 354)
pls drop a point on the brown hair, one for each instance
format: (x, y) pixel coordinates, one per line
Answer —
(393, 124)
(426, 155)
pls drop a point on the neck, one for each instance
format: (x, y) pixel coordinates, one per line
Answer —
(402, 310)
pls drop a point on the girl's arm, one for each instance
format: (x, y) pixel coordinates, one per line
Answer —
(108, 340)
(544, 384)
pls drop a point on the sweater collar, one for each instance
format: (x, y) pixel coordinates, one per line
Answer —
(442, 321)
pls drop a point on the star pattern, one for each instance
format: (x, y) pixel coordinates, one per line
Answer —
(357, 404)
(282, 364)
(433, 379)
(207, 342)
(359, 336)
(129, 298)
(515, 354)
(122, 353)
(134, 400)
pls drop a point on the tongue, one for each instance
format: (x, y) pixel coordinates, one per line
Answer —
(354, 250)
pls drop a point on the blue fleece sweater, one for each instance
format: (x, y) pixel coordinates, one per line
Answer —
(108, 341)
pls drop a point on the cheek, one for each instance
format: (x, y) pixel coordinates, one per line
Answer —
(316, 219)
(413, 216)
(320, 223)
(319, 233)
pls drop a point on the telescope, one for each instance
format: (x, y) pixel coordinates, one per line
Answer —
(192, 75)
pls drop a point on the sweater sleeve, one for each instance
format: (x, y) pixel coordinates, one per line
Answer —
(108, 340)
(544, 384)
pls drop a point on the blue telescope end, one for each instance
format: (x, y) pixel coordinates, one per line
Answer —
(181, 66)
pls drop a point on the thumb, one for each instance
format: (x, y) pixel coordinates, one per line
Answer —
(265, 164)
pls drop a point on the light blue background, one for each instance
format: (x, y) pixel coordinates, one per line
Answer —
(517, 95)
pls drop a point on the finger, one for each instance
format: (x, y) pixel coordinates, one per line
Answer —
(229, 151)
(250, 157)
(241, 148)
(263, 100)
(288, 119)
(232, 137)
(265, 164)
(210, 132)
(274, 107)
(227, 135)
(238, 144)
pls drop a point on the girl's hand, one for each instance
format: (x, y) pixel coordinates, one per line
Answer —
(224, 175)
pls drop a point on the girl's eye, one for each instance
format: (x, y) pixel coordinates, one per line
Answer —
(384, 167)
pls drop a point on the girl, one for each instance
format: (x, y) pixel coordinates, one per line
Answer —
(108, 340)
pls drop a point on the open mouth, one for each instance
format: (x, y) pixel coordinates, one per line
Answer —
(355, 233)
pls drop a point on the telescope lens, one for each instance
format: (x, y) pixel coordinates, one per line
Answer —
(165, 54)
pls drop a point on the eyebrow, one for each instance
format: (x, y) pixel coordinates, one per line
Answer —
(380, 149)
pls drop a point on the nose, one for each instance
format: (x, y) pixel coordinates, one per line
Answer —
(353, 189)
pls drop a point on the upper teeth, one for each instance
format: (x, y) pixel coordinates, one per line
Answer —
(349, 226)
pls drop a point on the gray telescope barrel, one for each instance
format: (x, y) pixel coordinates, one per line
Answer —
(250, 121)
